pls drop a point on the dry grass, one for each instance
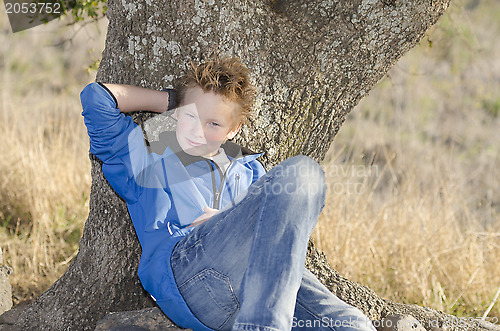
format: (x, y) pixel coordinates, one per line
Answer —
(44, 176)
(44, 168)
(414, 200)
(418, 243)
(413, 204)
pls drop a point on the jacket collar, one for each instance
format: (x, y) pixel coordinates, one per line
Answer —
(169, 139)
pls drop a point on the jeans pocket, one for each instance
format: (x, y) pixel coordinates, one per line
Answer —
(211, 298)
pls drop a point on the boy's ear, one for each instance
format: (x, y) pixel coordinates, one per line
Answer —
(174, 115)
(233, 132)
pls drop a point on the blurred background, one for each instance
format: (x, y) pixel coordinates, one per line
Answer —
(413, 176)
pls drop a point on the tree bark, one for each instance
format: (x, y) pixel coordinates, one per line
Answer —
(312, 62)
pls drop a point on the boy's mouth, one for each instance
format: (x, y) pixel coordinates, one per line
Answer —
(192, 143)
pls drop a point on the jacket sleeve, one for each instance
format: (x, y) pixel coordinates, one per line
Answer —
(258, 170)
(117, 141)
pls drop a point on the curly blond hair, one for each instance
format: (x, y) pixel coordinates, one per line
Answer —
(224, 76)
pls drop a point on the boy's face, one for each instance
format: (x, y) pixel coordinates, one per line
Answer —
(204, 121)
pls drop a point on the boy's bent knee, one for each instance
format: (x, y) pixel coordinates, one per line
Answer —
(302, 166)
(300, 175)
(307, 171)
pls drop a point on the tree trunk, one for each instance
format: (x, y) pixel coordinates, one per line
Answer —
(312, 62)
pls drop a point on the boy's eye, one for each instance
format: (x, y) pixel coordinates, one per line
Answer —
(214, 124)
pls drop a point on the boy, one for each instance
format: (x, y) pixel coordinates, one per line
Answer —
(223, 243)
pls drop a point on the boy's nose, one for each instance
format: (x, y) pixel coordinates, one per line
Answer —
(197, 131)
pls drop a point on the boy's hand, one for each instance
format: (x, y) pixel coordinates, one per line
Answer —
(209, 212)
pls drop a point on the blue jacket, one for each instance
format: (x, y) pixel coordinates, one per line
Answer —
(165, 190)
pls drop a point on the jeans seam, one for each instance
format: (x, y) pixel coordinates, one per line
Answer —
(257, 229)
(220, 276)
(184, 249)
(258, 225)
(298, 302)
(243, 326)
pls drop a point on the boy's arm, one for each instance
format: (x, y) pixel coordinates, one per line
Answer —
(131, 98)
(116, 140)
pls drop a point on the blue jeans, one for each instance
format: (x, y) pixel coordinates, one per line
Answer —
(244, 268)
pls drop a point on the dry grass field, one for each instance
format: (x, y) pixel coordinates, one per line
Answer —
(44, 164)
(414, 206)
(414, 179)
